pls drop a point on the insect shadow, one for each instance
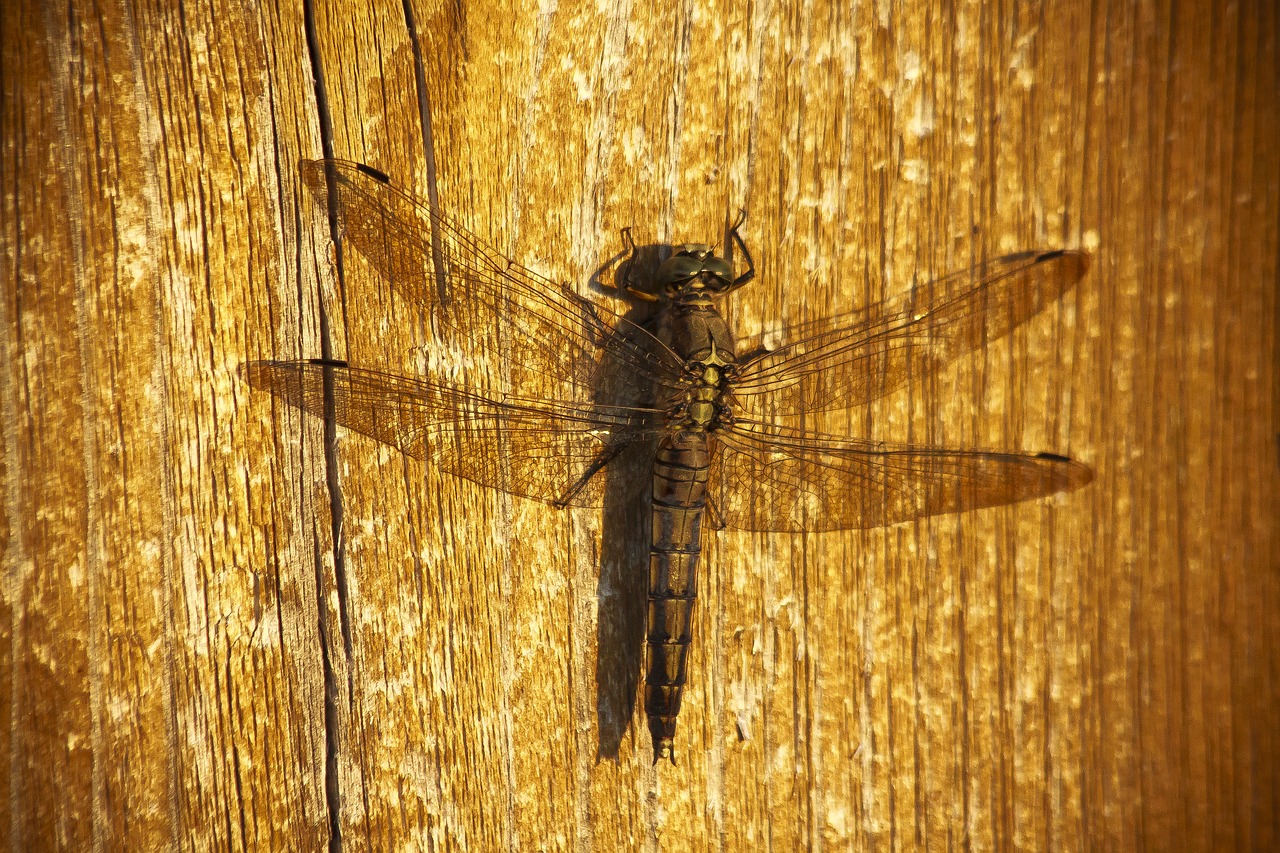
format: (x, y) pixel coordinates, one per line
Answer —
(626, 519)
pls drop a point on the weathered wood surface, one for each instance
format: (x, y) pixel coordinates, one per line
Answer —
(196, 660)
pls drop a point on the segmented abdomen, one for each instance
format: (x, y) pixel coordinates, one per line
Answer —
(679, 495)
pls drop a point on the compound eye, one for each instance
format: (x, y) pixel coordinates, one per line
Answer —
(678, 268)
(719, 269)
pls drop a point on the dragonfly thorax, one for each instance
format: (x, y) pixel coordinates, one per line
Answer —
(704, 405)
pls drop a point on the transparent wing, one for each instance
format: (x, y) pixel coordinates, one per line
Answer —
(536, 336)
(844, 361)
(769, 477)
(547, 450)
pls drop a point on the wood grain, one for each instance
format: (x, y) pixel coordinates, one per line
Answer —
(228, 626)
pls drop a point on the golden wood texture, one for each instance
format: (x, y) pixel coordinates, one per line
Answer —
(228, 627)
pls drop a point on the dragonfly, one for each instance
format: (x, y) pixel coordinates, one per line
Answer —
(555, 389)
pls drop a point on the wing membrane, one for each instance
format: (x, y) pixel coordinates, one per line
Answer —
(542, 338)
(541, 449)
(844, 361)
(770, 477)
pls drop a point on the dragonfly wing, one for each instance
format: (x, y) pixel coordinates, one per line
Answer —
(542, 449)
(539, 337)
(769, 477)
(853, 359)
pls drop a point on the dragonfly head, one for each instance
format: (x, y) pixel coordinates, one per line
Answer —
(693, 274)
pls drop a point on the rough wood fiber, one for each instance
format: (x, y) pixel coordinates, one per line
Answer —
(226, 627)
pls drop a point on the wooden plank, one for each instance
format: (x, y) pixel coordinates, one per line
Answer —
(164, 665)
(228, 627)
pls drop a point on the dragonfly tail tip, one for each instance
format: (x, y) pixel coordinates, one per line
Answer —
(664, 748)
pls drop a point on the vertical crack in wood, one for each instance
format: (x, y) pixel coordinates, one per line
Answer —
(332, 744)
(428, 151)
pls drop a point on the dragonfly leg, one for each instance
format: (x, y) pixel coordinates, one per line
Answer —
(713, 515)
(736, 236)
(603, 458)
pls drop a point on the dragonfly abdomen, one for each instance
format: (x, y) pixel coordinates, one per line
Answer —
(679, 495)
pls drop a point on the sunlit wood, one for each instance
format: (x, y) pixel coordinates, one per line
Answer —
(230, 627)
